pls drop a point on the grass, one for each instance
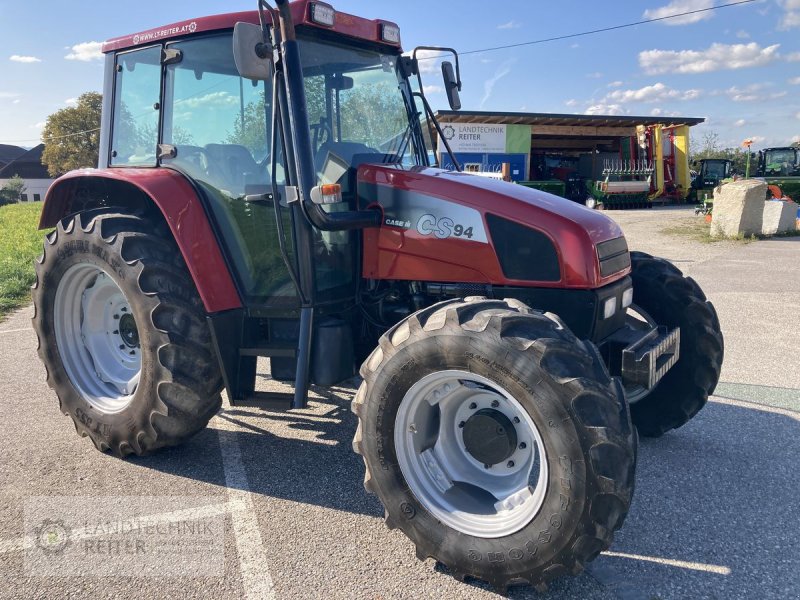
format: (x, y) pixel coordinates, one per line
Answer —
(20, 244)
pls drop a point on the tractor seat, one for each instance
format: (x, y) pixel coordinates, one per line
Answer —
(232, 168)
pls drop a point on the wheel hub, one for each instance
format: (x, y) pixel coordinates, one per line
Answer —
(490, 436)
(128, 331)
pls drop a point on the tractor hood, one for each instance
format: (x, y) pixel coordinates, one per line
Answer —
(467, 222)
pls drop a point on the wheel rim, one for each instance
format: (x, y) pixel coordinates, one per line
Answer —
(441, 444)
(97, 338)
(637, 318)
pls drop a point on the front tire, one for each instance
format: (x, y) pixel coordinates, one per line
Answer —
(507, 366)
(673, 300)
(122, 333)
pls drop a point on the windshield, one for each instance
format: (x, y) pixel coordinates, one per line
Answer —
(783, 161)
(356, 109)
(715, 169)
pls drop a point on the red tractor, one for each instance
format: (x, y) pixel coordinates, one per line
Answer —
(266, 190)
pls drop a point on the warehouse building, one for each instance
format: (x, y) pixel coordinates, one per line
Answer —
(641, 158)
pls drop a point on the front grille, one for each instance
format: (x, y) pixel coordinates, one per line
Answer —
(524, 253)
(614, 256)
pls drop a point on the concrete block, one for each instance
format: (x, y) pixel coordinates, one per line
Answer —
(739, 208)
(779, 217)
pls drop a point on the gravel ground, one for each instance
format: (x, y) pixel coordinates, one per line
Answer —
(715, 513)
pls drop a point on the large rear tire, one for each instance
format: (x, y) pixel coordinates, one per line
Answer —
(496, 441)
(122, 333)
(673, 300)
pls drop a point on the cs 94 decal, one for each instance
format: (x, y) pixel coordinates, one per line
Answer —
(444, 228)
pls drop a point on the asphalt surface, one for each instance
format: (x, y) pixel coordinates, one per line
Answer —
(715, 513)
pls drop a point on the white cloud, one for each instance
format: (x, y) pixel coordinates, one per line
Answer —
(71, 101)
(488, 85)
(742, 35)
(716, 58)
(794, 81)
(791, 15)
(38, 125)
(680, 6)
(796, 139)
(429, 60)
(432, 89)
(8, 95)
(214, 99)
(615, 84)
(657, 92)
(752, 93)
(85, 52)
(24, 59)
(510, 25)
(17, 101)
(740, 123)
(595, 75)
(571, 102)
(793, 57)
(656, 112)
(605, 109)
(798, 115)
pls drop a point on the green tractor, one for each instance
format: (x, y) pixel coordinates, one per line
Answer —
(781, 167)
(710, 172)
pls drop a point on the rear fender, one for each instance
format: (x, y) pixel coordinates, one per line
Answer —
(177, 201)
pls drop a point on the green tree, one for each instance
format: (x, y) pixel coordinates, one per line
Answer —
(72, 136)
(12, 191)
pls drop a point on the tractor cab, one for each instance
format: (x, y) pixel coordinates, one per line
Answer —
(779, 162)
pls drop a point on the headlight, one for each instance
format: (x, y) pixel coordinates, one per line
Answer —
(609, 308)
(323, 14)
(627, 298)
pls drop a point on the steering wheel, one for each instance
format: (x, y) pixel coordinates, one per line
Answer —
(321, 133)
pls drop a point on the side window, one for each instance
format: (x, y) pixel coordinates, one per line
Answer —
(137, 90)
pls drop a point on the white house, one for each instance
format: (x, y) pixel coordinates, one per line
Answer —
(29, 166)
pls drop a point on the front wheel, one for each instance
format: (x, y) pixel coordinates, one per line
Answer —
(665, 297)
(496, 441)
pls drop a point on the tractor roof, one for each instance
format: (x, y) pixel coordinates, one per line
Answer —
(349, 25)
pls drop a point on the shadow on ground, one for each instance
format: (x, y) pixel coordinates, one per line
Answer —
(720, 494)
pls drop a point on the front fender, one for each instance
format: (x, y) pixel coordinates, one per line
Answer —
(183, 211)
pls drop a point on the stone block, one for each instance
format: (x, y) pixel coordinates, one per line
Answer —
(739, 208)
(779, 217)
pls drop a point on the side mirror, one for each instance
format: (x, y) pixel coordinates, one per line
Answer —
(451, 86)
(251, 52)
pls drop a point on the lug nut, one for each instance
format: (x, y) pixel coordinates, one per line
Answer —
(510, 464)
(523, 445)
(123, 309)
(495, 403)
(116, 332)
(461, 424)
(487, 466)
(473, 406)
(116, 317)
(122, 346)
(516, 419)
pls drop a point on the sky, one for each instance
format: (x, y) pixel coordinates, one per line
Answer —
(738, 67)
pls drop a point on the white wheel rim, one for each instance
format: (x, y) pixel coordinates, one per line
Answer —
(97, 338)
(446, 477)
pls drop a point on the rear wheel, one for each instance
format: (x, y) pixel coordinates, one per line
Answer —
(665, 297)
(496, 441)
(122, 334)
